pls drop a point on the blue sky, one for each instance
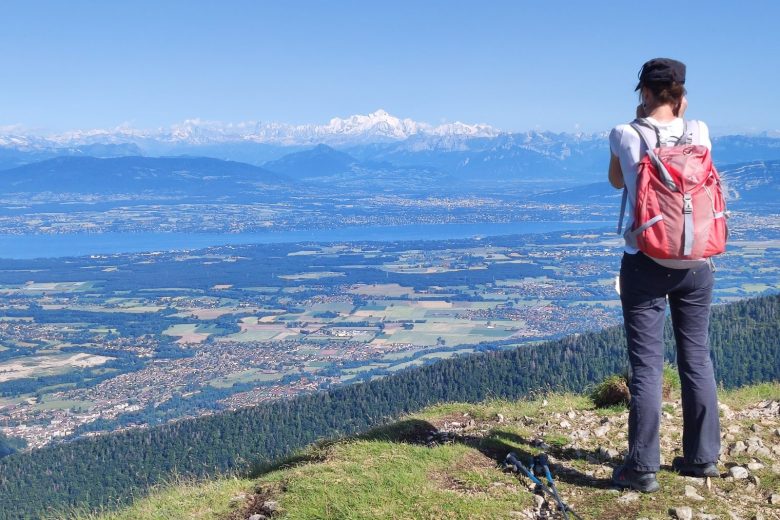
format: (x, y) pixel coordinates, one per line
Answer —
(555, 65)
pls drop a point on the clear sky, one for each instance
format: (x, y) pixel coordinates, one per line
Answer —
(518, 65)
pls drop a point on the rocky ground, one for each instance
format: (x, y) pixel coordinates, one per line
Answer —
(585, 445)
(446, 463)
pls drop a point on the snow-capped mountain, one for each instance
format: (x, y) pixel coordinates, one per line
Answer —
(378, 126)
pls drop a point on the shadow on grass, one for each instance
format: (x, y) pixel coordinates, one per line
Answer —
(498, 443)
(410, 431)
(495, 445)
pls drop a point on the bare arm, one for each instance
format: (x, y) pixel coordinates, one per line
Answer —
(615, 173)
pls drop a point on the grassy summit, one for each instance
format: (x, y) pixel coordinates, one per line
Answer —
(443, 463)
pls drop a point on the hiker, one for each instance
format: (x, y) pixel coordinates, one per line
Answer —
(647, 282)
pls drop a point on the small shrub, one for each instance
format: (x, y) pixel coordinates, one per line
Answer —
(612, 391)
(671, 384)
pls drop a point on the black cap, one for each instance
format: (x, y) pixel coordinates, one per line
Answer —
(661, 70)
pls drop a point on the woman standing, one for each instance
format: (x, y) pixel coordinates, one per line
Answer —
(646, 284)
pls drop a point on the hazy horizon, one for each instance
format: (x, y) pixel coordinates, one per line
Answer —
(245, 126)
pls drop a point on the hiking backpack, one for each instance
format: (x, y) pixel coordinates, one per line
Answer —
(680, 210)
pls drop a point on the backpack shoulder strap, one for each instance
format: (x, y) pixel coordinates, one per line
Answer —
(647, 131)
(640, 126)
(623, 204)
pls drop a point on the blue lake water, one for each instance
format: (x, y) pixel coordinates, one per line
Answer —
(39, 246)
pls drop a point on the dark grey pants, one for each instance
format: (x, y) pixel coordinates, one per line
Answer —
(644, 287)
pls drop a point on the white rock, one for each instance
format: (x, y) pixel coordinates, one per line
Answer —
(601, 431)
(270, 506)
(763, 452)
(565, 424)
(499, 418)
(737, 448)
(629, 497)
(690, 492)
(774, 499)
(682, 513)
(738, 472)
(755, 466)
(607, 453)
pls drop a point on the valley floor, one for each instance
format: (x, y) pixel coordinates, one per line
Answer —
(445, 463)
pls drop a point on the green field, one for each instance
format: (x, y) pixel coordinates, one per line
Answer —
(252, 375)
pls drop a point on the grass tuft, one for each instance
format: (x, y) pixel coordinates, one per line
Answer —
(613, 391)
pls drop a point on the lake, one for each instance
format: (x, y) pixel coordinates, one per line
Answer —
(39, 246)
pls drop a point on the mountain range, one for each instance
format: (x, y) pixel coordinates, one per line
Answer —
(373, 152)
(374, 127)
(465, 150)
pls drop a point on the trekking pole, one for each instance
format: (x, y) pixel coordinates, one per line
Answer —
(512, 460)
(543, 461)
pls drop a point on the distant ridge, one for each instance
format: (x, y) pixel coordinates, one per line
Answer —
(321, 160)
(756, 182)
(159, 175)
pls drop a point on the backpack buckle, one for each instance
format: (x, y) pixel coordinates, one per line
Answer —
(687, 204)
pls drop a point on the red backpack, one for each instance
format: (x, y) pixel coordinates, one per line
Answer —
(680, 207)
